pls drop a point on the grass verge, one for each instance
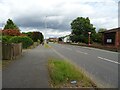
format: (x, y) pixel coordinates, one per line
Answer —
(62, 73)
(47, 46)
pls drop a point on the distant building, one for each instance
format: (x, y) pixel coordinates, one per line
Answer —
(112, 37)
(53, 39)
(66, 39)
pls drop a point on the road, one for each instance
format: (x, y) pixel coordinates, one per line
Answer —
(100, 65)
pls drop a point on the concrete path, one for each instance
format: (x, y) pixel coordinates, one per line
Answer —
(30, 71)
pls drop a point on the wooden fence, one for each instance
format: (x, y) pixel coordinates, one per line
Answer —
(11, 51)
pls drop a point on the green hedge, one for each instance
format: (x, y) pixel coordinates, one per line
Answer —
(26, 41)
(5, 39)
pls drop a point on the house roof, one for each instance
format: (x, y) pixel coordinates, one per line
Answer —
(112, 30)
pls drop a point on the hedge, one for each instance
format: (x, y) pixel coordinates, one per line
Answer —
(26, 41)
(5, 39)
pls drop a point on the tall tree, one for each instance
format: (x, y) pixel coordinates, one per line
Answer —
(35, 36)
(11, 25)
(101, 30)
(80, 28)
(98, 35)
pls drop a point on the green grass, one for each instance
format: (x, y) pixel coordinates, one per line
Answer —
(47, 46)
(63, 72)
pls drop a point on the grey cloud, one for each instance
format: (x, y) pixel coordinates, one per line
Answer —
(32, 14)
(39, 23)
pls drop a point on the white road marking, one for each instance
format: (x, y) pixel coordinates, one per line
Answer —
(81, 52)
(108, 60)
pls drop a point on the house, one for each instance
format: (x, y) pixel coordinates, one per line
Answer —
(53, 39)
(111, 37)
(66, 39)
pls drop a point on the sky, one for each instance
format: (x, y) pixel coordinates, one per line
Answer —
(53, 17)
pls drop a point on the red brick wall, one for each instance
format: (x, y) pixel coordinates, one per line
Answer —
(119, 38)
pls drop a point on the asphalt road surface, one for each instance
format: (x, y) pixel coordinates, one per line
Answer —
(100, 65)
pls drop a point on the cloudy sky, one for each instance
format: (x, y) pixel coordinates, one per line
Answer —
(56, 15)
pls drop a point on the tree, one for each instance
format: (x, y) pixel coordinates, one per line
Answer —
(35, 36)
(80, 28)
(98, 35)
(11, 25)
(101, 30)
(11, 32)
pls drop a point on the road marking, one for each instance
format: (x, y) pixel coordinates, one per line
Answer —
(108, 60)
(81, 52)
(68, 48)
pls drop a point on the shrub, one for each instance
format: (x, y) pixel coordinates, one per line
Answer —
(11, 32)
(35, 36)
(5, 39)
(87, 41)
(26, 41)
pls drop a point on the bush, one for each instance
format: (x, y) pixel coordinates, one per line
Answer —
(35, 36)
(26, 41)
(87, 41)
(11, 32)
(5, 39)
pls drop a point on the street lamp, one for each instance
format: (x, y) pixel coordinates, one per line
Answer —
(89, 33)
(45, 40)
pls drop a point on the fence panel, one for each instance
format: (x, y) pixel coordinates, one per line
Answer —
(11, 51)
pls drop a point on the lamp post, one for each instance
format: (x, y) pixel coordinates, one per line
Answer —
(89, 33)
(45, 40)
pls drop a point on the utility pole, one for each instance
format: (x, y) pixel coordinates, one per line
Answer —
(45, 28)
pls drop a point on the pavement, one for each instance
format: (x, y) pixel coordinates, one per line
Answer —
(100, 65)
(29, 71)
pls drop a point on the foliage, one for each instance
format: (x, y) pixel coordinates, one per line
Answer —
(23, 34)
(80, 28)
(98, 36)
(101, 30)
(11, 32)
(47, 46)
(60, 39)
(5, 39)
(11, 25)
(26, 41)
(35, 36)
(63, 72)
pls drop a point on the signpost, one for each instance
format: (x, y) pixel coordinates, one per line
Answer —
(89, 33)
